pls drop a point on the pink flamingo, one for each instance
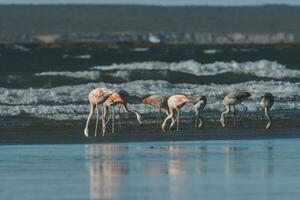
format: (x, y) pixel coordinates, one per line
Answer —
(96, 96)
(175, 103)
(234, 99)
(159, 101)
(118, 97)
(266, 102)
(199, 103)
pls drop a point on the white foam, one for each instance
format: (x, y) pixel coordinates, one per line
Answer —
(262, 68)
(245, 50)
(212, 51)
(84, 56)
(70, 102)
(88, 75)
(21, 48)
(154, 39)
(140, 49)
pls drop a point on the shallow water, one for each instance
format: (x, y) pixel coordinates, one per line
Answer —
(266, 169)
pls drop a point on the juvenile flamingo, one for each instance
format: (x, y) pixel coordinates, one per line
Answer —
(266, 102)
(118, 97)
(175, 103)
(96, 96)
(159, 101)
(199, 103)
(233, 99)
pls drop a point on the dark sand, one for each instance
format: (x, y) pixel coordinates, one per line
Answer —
(71, 132)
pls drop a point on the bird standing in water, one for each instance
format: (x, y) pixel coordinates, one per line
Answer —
(175, 103)
(96, 96)
(159, 101)
(199, 103)
(231, 100)
(266, 102)
(118, 97)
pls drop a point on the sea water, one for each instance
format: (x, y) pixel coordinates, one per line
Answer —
(257, 169)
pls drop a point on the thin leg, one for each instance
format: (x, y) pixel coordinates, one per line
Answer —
(262, 116)
(113, 120)
(96, 128)
(109, 116)
(175, 120)
(105, 112)
(222, 119)
(201, 122)
(233, 107)
(137, 114)
(86, 129)
(170, 115)
(243, 113)
(269, 118)
(119, 116)
(158, 118)
(196, 117)
(178, 120)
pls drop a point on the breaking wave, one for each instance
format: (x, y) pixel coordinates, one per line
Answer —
(262, 68)
(70, 102)
(88, 75)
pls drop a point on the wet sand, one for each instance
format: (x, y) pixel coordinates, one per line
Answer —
(71, 132)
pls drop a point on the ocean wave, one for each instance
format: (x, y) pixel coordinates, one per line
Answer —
(70, 102)
(84, 56)
(88, 75)
(79, 93)
(212, 51)
(262, 68)
(80, 112)
(140, 49)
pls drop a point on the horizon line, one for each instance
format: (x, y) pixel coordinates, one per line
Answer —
(154, 5)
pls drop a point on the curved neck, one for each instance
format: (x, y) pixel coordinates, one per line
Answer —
(268, 114)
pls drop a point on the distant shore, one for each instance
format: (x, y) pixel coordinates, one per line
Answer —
(268, 24)
(59, 45)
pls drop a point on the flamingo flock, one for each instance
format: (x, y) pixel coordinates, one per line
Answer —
(171, 105)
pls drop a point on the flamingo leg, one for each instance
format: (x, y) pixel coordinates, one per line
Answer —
(109, 117)
(177, 120)
(170, 115)
(113, 120)
(222, 120)
(158, 117)
(119, 116)
(269, 118)
(86, 129)
(196, 117)
(234, 115)
(200, 120)
(96, 128)
(245, 110)
(104, 122)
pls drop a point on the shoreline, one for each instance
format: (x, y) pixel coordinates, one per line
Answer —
(71, 132)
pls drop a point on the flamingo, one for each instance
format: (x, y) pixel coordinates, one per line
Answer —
(118, 97)
(199, 103)
(233, 99)
(266, 102)
(159, 101)
(175, 103)
(96, 96)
